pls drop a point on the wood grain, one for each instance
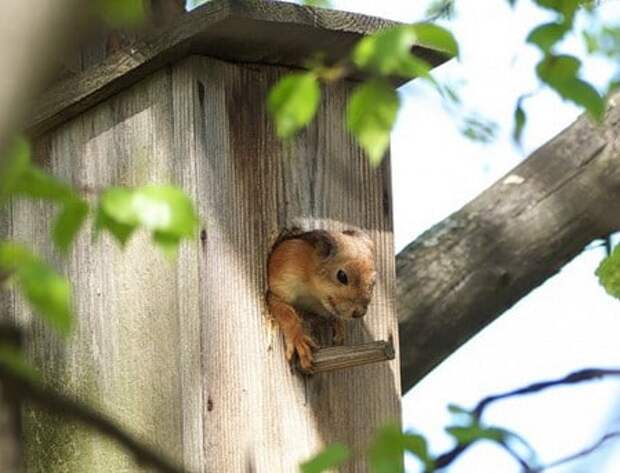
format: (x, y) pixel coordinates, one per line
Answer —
(471, 267)
(182, 353)
(263, 32)
(11, 442)
(338, 358)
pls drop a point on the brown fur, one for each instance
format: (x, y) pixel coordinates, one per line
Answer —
(303, 278)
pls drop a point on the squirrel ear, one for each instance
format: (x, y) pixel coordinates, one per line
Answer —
(322, 240)
(362, 236)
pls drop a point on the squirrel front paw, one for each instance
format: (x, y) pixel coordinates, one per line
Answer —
(303, 346)
(337, 331)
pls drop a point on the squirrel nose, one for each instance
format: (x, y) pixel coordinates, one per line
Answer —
(358, 313)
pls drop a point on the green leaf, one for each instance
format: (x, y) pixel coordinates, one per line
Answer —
(46, 291)
(435, 37)
(566, 8)
(371, 113)
(417, 445)
(592, 42)
(69, 222)
(13, 165)
(478, 129)
(163, 210)
(331, 457)
(389, 445)
(471, 433)
(318, 3)
(13, 358)
(519, 118)
(545, 36)
(127, 13)
(388, 52)
(49, 293)
(386, 451)
(37, 184)
(558, 68)
(608, 273)
(560, 73)
(293, 102)
(120, 231)
(440, 9)
(25, 180)
(458, 410)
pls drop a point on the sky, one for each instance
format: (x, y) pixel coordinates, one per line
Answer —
(569, 322)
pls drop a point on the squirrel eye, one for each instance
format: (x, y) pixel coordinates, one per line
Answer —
(342, 277)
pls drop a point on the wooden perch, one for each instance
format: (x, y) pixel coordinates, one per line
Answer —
(471, 267)
(335, 358)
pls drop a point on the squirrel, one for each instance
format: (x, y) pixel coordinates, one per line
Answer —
(320, 273)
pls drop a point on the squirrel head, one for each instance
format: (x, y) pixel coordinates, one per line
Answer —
(345, 274)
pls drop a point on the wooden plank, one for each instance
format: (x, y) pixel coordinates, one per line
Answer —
(276, 33)
(259, 416)
(123, 357)
(338, 358)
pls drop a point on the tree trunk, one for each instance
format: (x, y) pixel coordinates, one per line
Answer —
(471, 267)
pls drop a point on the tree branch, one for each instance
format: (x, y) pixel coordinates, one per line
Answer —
(582, 453)
(445, 459)
(467, 270)
(573, 378)
(58, 404)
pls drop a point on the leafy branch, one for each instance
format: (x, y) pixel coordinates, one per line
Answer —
(372, 108)
(385, 454)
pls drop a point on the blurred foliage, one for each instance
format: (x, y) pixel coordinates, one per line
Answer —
(387, 449)
(608, 273)
(440, 9)
(165, 211)
(46, 291)
(13, 358)
(293, 102)
(22, 179)
(329, 458)
(390, 52)
(122, 13)
(371, 113)
(317, 3)
(372, 108)
(479, 129)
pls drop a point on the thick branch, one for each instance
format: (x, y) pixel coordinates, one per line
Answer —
(468, 269)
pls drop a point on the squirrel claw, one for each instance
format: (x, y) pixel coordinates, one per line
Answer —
(303, 346)
(338, 332)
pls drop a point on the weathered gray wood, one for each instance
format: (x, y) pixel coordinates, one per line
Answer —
(338, 358)
(181, 353)
(10, 411)
(124, 355)
(263, 32)
(468, 269)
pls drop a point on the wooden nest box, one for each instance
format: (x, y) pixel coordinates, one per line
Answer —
(180, 353)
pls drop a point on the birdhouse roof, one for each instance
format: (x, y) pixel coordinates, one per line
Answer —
(249, 31)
